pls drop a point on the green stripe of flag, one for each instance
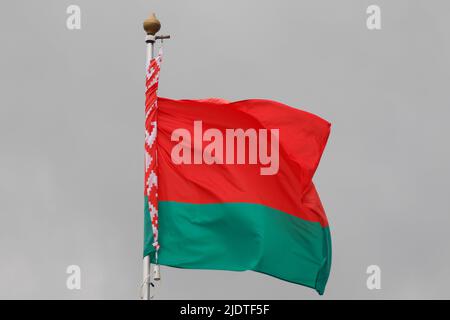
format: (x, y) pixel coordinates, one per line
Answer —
(242, 236)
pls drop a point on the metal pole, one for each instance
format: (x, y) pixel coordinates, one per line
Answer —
(151, 27)
(146, 279)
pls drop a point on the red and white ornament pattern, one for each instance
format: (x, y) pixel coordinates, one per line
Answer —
(151, 172)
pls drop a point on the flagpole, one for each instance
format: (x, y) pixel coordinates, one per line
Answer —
(151, 27)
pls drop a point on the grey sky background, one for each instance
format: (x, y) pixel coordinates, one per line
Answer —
(71, 137)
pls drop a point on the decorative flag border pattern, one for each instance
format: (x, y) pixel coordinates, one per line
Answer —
(151, 168)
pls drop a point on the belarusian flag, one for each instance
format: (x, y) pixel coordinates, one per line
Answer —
(235, 189)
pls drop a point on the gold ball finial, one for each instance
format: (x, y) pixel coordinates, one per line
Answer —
(152, 25)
